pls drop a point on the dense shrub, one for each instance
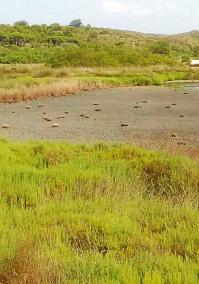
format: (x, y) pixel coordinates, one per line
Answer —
(69, 46)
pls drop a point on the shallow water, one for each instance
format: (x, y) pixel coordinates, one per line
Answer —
(185, 86)
(192, 86)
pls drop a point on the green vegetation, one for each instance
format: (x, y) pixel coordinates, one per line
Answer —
(14, 76)
(77, 45)
(23, 82)
(94, 213)
(54, 60)
(97, 214)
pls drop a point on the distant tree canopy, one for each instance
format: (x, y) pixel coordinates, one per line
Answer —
(55, 26)
(21, 23)
(70, 46)
(76, 23)
(161, 47)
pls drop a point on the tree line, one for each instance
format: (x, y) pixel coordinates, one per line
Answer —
(78, 45)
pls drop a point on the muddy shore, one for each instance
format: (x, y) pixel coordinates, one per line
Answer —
(132, 115)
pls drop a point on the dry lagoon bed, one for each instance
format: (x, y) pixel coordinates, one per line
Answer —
(143, 115)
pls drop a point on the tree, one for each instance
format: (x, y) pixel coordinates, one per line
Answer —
(55, 27)
(196, 51)
(67, 33)
(76, 23)
(55, 40)
(186, 58)
(21, 23)
(17, 38)
(3, 38)
(161, 47)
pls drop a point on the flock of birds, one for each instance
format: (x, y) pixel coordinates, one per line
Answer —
(83, 115)
(49, 119)
(46, 117)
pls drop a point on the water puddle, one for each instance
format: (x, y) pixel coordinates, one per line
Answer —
(187, 86)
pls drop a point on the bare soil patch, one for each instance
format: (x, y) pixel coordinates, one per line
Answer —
(151, 115)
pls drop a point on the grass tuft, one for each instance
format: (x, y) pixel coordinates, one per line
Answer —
(97, 214)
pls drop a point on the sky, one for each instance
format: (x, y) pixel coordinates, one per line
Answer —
(149, 16)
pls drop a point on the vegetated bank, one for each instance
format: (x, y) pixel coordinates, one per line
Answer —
(60, 60)
(97, 214)
(31, 81)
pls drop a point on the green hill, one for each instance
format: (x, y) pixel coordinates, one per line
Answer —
(85, 46)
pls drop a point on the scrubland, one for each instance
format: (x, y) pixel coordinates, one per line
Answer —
(31, 81)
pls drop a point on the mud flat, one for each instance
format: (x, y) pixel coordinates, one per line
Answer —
(139, 114)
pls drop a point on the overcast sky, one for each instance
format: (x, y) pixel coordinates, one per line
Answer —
(153, 16)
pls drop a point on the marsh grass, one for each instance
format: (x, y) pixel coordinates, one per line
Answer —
(24, 82)
(51, 89)
(97, 214)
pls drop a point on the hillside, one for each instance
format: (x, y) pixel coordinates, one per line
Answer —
(85, 46)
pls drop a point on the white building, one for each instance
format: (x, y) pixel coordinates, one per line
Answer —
(195, 63)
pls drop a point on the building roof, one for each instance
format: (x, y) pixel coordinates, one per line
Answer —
(195, 61)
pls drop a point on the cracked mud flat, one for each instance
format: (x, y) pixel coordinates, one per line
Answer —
(147, 114)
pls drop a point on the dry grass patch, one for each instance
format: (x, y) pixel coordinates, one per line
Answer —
(56, 89)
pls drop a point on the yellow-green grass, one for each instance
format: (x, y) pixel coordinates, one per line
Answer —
(97, 214)
(23, 82)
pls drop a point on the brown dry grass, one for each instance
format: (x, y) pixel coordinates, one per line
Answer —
(189, 148)
(186, 150)
(55, 89)
(25, 268)
(71, 71)
(124, 70)
(20, 82)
